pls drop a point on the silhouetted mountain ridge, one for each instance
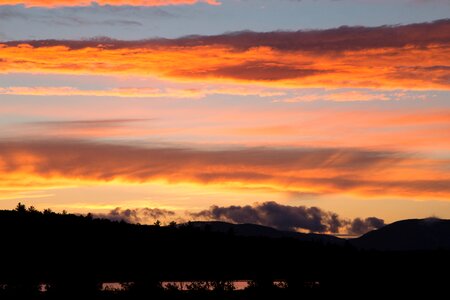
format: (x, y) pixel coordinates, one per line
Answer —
(408, 235)
(404, 235)
(255, 230)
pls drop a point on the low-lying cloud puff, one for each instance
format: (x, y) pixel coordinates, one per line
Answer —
(272, 214)
(291, 218)
(138, 215)
(360, 226)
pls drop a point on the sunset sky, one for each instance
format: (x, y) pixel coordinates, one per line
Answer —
(235, 110)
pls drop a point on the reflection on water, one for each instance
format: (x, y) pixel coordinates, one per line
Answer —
(237, 285)
(205, 285)
(43, 287)
(114, 286)
(231, 285)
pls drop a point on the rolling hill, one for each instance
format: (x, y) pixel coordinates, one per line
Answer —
(407, 235)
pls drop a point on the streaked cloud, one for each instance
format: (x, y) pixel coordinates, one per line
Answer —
(88, 128)
(11, 13)
(343, 96)
(403, 127)
(193, 93)
(334, 40)
(63, 3)
(88, 123)
(307, 170)
(387, 57)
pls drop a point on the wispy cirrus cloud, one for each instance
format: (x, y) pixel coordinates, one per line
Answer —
(424, 130)
(192, 93)
(8, 13)
(87, 128)
(344, 96)
(86, 124)
(64, 3)
(388, 57)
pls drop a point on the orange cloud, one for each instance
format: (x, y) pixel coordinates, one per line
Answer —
(348, 96)
(344, 57)
(90, 128)
(193, 93)
(61, 3)
(326, 171)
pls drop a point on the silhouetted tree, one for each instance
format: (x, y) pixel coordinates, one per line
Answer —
(21, 208)
(32, 210)
(47, 211)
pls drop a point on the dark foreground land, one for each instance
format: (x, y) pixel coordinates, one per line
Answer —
(60, 256)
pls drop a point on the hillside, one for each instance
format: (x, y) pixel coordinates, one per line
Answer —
(408, 235)
(254, 230)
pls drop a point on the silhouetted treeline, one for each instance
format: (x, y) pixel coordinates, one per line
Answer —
(73, 255)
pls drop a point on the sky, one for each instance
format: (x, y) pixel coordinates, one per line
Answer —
(312, 115)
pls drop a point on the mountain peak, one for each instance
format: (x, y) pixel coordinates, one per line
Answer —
(408, 235)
